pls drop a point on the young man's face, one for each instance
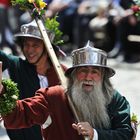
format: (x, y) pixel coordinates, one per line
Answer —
(33, 49)
(89, 76)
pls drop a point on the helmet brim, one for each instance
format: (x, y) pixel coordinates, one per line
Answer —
(110, 71)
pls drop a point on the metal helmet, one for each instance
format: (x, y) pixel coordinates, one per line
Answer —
(31, 30)
(89, 56)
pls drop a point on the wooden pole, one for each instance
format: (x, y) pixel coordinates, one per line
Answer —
(51, 53)
(56, 65)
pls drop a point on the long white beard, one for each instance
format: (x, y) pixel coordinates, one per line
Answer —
(91, 106)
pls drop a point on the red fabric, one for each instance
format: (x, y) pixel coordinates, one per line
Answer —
(52, 76)
(5, 2)
(35, 110)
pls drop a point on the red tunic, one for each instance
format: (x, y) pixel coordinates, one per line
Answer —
(51, 101)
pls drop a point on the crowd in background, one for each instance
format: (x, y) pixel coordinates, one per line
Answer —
(109, 24)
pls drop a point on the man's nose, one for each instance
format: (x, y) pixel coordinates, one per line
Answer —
(30, 49)
(89, 76)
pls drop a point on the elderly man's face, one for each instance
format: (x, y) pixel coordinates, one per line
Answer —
(89, 76)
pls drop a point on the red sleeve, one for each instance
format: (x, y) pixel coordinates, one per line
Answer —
(6, 3)
(28, 112)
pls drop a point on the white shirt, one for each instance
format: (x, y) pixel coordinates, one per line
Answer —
(43, 81)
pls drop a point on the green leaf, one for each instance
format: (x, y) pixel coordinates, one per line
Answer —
(53, 25)
(9, 97)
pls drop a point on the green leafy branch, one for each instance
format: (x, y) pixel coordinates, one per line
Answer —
(53, 25)
(9, 97)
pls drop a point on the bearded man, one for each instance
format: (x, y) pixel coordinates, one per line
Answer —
(91, 102)
(104, 113)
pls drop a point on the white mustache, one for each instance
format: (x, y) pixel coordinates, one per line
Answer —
(91, 83)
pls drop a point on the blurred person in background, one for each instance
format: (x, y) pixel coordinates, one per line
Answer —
(87, 10)
(34, 72)
(126, 25)
(130, 26)
(8, 24)
(105, 26)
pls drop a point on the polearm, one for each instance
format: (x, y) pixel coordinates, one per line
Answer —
(57, 66)
(55, 62)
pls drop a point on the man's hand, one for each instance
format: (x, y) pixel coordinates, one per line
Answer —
(1, 87)
(84, 128)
